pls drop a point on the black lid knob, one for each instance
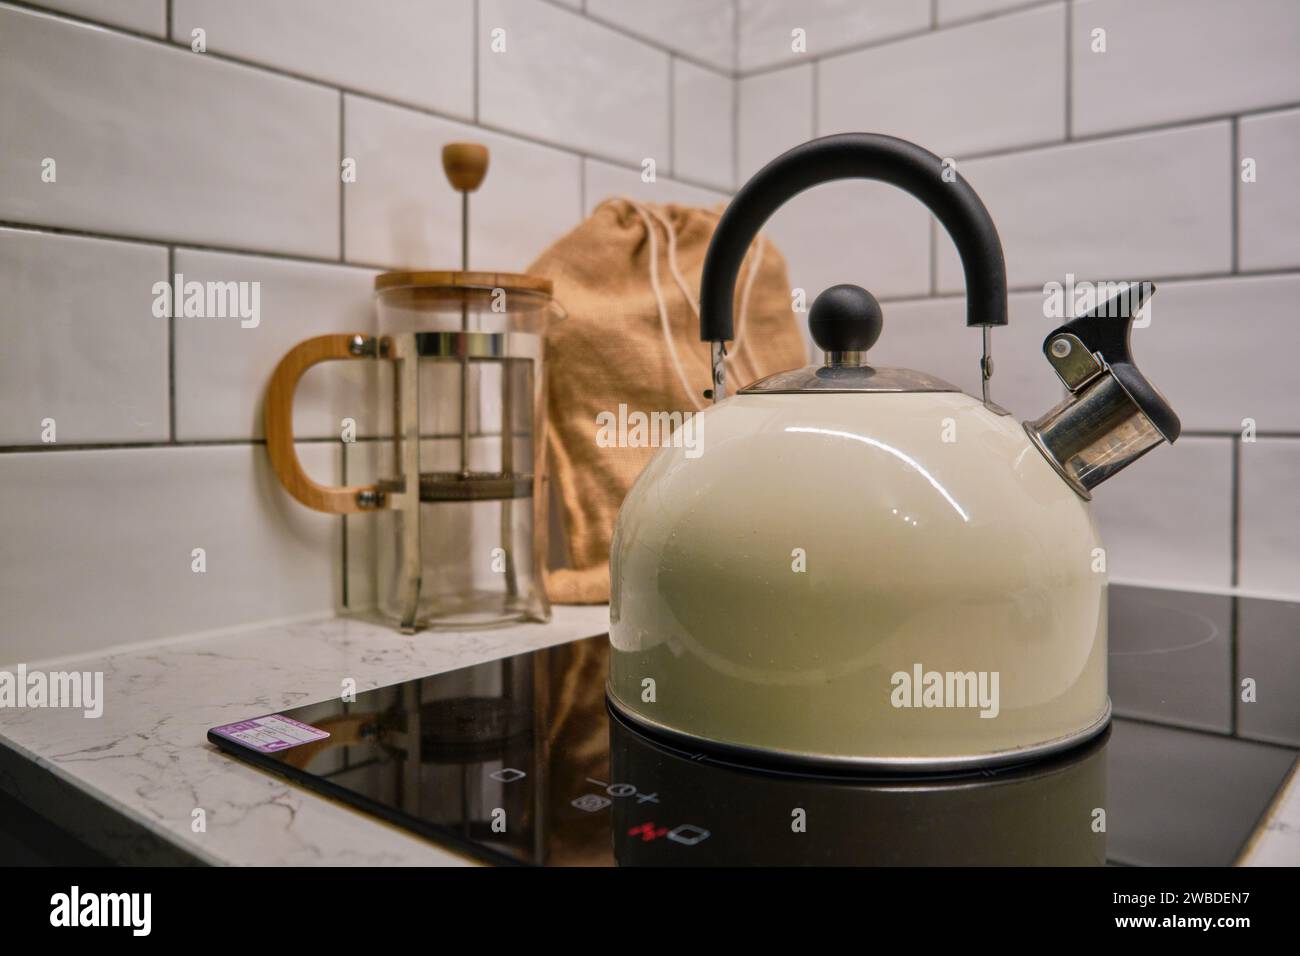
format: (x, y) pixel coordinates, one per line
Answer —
(845, 318)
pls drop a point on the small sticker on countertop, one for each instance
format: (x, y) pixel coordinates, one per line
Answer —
(271, 733)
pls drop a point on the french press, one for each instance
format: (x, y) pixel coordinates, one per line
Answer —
(461, 500)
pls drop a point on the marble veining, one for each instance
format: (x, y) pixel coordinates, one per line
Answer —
(148, 757)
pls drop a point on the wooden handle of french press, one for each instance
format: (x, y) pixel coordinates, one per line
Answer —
(332, 499)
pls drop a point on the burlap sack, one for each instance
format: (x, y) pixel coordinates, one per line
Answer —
(612, 350)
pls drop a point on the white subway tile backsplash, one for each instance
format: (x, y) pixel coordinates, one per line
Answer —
(703, 142)
(949, 91)
(931, 335)
(1229, 330)
(1270, 515)
(81, 344)
(1269, 206)
(1226, 322)
(1169, 60)
(953, 11)
(766, 26)
(703, 29)
(604, 181)
(409, 50)
(775, 113)
(1167, 519)
(153, 141)
(402, 212)
(1132, 207)
(222, 369)
(223, 150)
(101, 550)
(142, 16)
(866, 233)
(568, 80)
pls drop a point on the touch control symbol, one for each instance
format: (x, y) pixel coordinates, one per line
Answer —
(507, 775)
(688, 834)
(591, 802)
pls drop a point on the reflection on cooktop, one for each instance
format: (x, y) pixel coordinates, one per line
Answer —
(519, 760)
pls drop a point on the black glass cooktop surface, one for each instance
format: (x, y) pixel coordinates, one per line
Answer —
(519, 760)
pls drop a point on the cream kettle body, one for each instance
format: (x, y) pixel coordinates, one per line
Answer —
(865, 568)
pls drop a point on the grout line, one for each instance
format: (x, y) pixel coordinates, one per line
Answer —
(897, 37)
(672, 114)
(735, 95)
(1230, 433)
(1234, 161)
(1235, 505)
(733, 161)
(816, 95)
(735, 39)
(475, 66)
(1119, 134)
(582, 188)
(171, 351)
(1234, 537)
(1036, 146)
(1069, 70)
(934, 257)
(618, 28)
(171, 20)
(343, 237)
(166, 43)
(803, 58)
(1129, 132)
(1159, 280)
(178, 243)
(40, 448)
(363, 265)
(934, 14)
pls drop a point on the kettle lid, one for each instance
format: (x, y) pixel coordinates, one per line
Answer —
(845, 321)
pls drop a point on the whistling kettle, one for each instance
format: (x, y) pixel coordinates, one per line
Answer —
(863, 567)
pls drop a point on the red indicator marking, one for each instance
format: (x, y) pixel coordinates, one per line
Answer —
(648, 832)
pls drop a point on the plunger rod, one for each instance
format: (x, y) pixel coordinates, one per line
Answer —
(465, 165)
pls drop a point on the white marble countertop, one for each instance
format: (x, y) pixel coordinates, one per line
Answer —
(147, 758)
(128, 782)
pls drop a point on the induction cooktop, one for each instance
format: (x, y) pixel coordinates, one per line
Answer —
(519, 760)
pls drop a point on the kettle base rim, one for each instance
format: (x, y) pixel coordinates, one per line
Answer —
(765, 758)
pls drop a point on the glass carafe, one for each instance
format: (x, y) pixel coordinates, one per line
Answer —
(461, 497)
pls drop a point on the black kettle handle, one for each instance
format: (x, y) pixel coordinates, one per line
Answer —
(856, 156)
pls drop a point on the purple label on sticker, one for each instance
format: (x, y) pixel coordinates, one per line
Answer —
(271, 733)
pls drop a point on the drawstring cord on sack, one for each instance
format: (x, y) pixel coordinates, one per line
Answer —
(646, 214)
(745, 289)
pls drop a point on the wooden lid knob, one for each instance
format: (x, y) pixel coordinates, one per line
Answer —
(465, 165)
